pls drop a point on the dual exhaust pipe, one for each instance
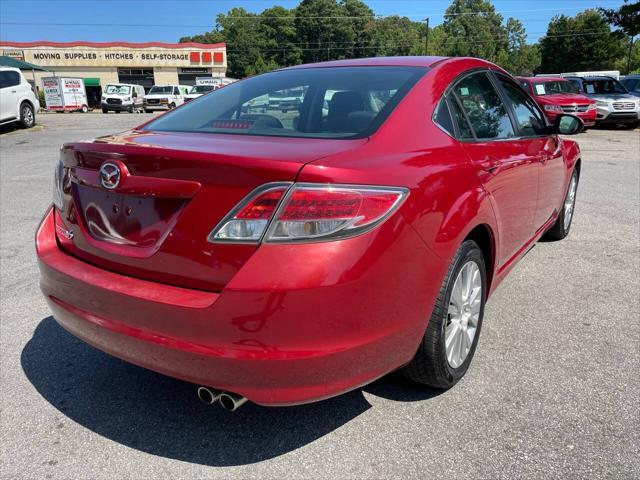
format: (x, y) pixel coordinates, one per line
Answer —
(228, 400)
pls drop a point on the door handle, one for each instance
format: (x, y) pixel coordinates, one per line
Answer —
(490, 164)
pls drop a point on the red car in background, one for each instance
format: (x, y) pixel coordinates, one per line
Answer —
(286, 257)
(556, 95)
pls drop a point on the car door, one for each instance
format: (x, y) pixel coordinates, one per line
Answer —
(9, 80)
(507, 171)
(541, 145)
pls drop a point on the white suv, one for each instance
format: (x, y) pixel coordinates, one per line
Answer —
(18, 103)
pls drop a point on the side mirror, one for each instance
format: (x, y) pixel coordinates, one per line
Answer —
(568, 125)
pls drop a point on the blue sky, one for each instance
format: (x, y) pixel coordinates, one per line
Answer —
(168, 20)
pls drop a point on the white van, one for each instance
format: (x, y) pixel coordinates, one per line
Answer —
(164, 97)
(122, 97)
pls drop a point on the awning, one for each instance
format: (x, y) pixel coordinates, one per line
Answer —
(15, 63)
(91, 82)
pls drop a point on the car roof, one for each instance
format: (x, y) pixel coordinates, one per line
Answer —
(593, 78)
(375, 62)
(543, 79)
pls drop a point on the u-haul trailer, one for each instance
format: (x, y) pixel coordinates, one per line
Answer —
(64, 94)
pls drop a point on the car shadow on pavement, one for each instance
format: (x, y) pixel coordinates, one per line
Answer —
(162, 416)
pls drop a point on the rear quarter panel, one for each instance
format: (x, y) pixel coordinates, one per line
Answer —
(446, 198)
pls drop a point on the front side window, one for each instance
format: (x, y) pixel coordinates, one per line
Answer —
(530, 119)
(483, 107)
(343, 102)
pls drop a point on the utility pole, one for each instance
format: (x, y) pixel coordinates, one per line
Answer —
(426, 39)
(629, 57)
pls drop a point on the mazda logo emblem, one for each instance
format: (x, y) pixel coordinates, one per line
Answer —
(110, 175)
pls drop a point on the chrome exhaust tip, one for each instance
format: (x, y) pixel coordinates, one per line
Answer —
(208, 396)
(232, 401)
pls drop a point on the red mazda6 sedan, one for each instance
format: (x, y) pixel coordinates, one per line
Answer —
(289, 257)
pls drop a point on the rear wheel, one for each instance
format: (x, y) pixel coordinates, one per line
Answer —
(27, 115)
(104, 110)
(561, 228)
(84, 109)
(449, 343)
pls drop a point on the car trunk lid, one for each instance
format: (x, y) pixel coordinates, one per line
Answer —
(152, 221)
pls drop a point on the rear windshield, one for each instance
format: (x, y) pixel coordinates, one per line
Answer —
(554, 87)
(342, 102)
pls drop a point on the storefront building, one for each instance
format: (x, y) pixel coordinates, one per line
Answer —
(99, 64)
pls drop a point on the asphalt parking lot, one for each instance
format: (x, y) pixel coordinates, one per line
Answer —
(552, 393)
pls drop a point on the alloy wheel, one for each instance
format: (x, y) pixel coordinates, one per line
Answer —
(463, 314)
(570, 201)
(27, 116)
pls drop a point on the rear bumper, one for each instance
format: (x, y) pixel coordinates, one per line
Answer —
(293, 337)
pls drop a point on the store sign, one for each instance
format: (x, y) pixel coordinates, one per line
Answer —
(17, 54)
(118, 57)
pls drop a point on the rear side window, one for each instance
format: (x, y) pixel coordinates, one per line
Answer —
(530, 119)
(443, 117)
(464, 129)
(343, 102)
(484, 108)
(9, 78)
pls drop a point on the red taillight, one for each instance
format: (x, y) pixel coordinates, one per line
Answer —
(248, 221)
(263, 206)
(309, 212)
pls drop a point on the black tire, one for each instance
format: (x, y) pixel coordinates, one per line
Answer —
(146, 111)
(430, 365)
(558, 231)
(27, 115)
(117, 111)
(172, 106)
(632, 125)
(130, 110)
(104, 110)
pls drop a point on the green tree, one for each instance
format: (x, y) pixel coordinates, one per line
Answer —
(278, 30)
(519, 58)
(324, 30)
(260, 66)
(583, 42)
(474, 28)
(627, 21)
(397, 36)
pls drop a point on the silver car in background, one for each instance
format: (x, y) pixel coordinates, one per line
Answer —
(615, 105)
